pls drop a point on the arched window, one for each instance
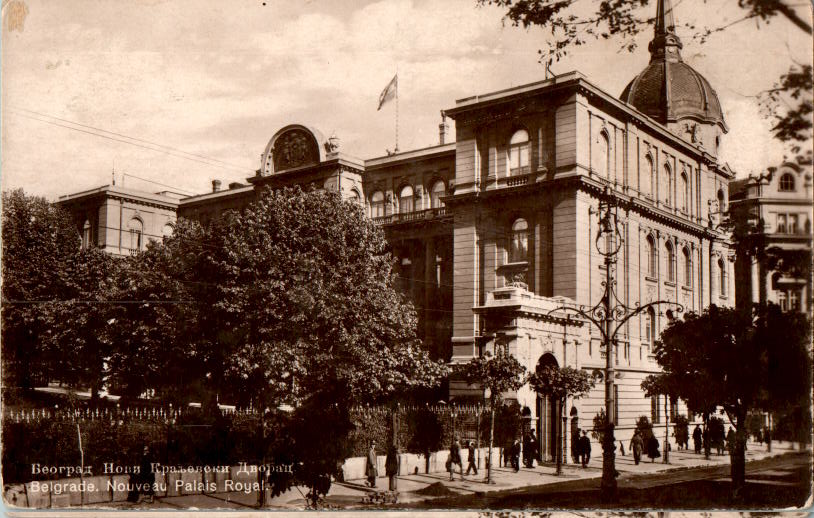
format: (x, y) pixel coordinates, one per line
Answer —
(787, 182)
(671, 261)
(684, 192)
(647, 175)
(724, 277)
(519, 153)
(650, 327)
(136, 228)
(602, 156)
(667, 185)
(86, 235)
(377, 204)
(519, 250)
(438, 190)
(354, 196)
(652, 256)
(167, 230)
(687, 267)
(406, 200)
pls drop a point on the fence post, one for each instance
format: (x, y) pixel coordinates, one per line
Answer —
(81, 468)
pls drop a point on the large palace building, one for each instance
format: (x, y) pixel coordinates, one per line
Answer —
(495, 230)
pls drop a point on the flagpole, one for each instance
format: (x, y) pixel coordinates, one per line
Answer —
(397, 110)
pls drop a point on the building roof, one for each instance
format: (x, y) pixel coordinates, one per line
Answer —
(136, 195)
(669, 89)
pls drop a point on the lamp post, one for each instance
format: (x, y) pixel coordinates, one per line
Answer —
(608, 316)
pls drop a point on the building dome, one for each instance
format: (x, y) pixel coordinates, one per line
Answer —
(671, 90)
(668, 89)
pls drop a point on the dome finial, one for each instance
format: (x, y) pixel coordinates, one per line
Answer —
(665, 43)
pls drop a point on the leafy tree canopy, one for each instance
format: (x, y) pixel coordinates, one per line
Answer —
(737, 360)
(561, 382)
(290, 298)
(499, 373)
(38, 240)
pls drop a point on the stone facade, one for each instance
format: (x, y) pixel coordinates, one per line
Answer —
(495, 231)
(120, 220)
(782, 200)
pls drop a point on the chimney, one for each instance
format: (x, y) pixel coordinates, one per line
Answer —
(215, 185)
(442, 129)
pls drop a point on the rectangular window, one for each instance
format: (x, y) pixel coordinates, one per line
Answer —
(792, 228)
(781, 223)
(655, 410)
(794, 300)
(519, 160)
(781, 301)
(673, 411)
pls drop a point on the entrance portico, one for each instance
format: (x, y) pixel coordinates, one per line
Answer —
(526, 325)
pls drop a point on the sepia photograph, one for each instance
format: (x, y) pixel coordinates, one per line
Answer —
(498, 257)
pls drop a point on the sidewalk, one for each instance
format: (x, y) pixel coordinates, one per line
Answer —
(418, 487)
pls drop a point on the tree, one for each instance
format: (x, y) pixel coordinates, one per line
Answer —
(38, 241)
(730, 358)
(291, 301)
(559, 384)
(497, 374)
(571, 24)
(78, 332)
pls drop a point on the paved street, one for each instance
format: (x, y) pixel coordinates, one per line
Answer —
(648, 485)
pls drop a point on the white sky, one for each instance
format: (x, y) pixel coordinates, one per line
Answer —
(218, 78)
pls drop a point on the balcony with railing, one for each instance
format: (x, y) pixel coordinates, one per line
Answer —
(518, 180)
(411, 217)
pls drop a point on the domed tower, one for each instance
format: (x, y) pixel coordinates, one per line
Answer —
(673, 93)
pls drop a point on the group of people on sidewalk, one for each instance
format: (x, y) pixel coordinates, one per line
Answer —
(717, 439)
(638, 447)
(581, 454)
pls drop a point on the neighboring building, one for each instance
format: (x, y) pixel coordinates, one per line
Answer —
(121, 220)
(782, 201)
(494, 231)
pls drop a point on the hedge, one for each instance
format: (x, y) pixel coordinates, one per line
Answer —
(197, 439)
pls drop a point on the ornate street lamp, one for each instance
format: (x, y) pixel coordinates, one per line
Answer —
(609, 315)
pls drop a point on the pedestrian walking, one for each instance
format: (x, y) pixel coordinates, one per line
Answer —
(585, 449)
(653, 448)
(621, 448)
(577, 447)
(696, 439)
(392, 464)
(471, 466)
(637, 446)
(455, 459)
(515, 454)
(371, 469)
(530, 449)
(145, 479)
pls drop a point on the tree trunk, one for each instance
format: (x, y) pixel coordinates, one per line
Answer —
(491, 442)
(738, 457)
(666, 448)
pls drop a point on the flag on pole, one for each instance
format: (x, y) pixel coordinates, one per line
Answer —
(390, 91)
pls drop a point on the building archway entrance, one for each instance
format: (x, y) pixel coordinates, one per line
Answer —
(548, 417)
